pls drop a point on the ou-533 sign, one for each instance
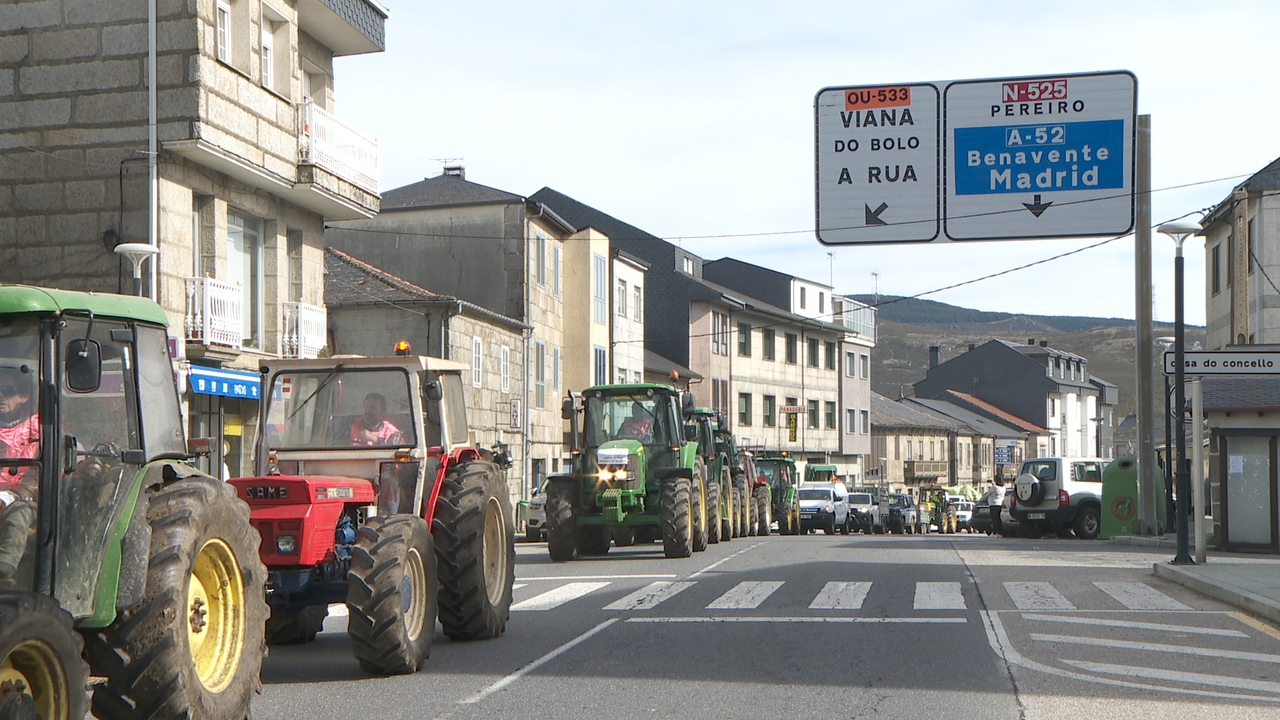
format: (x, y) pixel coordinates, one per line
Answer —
(976, 159)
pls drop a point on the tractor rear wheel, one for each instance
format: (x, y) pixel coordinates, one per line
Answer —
(562, 529)
(392, 595)
(474, 531)
(698, 494)
(677, 519)
(763, 511)
(295, 627)
(715, 513)
(745, 504)
(41, 672)
(193, 648)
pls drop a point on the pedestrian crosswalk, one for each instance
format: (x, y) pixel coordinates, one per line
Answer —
(1026, 596)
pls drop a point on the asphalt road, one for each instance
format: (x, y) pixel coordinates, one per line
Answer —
(956, 626)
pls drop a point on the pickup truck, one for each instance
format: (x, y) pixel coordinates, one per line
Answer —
(897, 514)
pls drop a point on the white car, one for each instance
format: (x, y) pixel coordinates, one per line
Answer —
(825, 506)
(535, 527)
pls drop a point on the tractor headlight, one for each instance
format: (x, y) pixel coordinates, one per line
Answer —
(287, 544)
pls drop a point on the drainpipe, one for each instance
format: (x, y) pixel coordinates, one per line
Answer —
(153, 168)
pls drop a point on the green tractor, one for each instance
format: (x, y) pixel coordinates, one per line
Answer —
(634, 473)
(116, 557)
(779, 472)
(724, 500)
(750, 493)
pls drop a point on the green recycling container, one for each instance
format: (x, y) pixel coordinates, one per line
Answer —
(1119, 497)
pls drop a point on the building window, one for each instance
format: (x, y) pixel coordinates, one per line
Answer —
(850, 421)
(602, 366)
(813, 352)
(822, 299)
(866, 421)
(504, 369)
(802, 298)
(813, 413)
(744, 409)
(830, 416)
(770, 406)
(865, 361)
(719, 333)
(540, 259)
(792, 346)
(744, 339)
(224, 32)
(622, 376)
(766, 340)
(555, 368)
(1215, 268)
(555, 270)
(1053, 407)
(244, 268)
(688, 266)
(724, 397)
(477, 361)
(622, 298)
(850, 364)
(831, 356)
(539, 374)
(275, 65)
(601, 289)
(637, 303)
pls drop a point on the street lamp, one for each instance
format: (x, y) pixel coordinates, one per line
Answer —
(1180, 230)
(137, 253)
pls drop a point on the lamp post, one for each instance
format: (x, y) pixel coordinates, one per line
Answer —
(1167, 342)
(137, 253)
(1180, 230)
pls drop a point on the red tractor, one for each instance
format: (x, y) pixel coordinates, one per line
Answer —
(368, 494)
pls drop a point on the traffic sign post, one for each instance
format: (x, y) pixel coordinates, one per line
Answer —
(1001, 159)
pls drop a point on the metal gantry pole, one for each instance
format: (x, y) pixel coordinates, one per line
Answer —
(1183, 488)
(1147, 514)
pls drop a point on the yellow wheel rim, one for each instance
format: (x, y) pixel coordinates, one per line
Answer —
(215, 615)
(413, 591)
(33, 669)
(494, 552)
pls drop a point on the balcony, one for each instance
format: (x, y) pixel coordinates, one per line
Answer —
(305, 330)
(325, 142)
(214, 313)
(924, 469)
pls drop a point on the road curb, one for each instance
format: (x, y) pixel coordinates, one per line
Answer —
(1143, 541)
(1253, 602)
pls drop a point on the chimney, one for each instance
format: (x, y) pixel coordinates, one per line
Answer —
(1044, 343)
(458, 170)
(971, 347)
(1031, 341)
(934, 352)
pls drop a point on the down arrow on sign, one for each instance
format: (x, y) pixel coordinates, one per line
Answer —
(873, 216)
(1036, 207)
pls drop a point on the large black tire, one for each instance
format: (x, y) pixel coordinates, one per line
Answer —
(295, 627)
(734, 524)
(763, 511)
(677, 519)
(193, 648)
(594, 539)
(474, 531)
(392, 594)
(844, 529)
(715, 513)
(745, 504)
(624, 537)
(1087, 523)
(562, 528)
(698, 494)
(43, 674)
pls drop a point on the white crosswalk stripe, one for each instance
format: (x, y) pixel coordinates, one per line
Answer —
(1037, 596)
(649, 596)
(745, 595)
(939, 596)
(841, 596)
(1139, 596)
(557, 597)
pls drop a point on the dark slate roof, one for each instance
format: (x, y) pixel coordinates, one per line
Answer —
(767, 309)
(349, 282)
(444, 190)
(982, 425)
(655, 363)
(580, 216)
(1254, 392)
(887, 413)
(1265, 180)
(1037, 349)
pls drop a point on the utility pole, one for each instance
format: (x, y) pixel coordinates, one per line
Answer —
(1147, 511)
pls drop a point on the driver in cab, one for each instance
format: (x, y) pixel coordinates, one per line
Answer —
(373, 428)
(639, 426)
(19, 439)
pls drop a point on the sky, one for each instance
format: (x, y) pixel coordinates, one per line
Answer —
(694, 121)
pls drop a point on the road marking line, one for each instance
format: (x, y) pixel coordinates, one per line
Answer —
(504, 682)
(649, 596)
(810, 620)
(1175, 676)
(338, 610)
(597, 577)
(1037, 596)
(841, 596)
(1158, 647)
(1139, 596)
(939, 596)
(1256, 624)
(1135, 625)
(517, 586)
(745, 595)
(721, 561)
(999, 641)
(557, 597)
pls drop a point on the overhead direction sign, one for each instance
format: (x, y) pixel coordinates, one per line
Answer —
(1225, 362)
(967, 160)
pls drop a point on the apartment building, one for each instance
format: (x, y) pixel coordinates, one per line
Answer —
(210, 133)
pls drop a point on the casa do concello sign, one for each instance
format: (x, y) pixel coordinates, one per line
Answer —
(1001, 159)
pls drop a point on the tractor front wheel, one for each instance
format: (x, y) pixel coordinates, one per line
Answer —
(193, 648)
(698, 495)
(763, 511)
(715, 513)
(475, 539)
(392, 595)
(41, 673)
(562, 529)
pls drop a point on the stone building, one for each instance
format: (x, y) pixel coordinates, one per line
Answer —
(208, 132)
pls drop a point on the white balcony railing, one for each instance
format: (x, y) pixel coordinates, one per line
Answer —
(305, 330)
(325, 142)
(214, 313)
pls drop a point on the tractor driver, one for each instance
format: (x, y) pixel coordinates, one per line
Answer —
(638, 426)
(373, 427)
(19, 439)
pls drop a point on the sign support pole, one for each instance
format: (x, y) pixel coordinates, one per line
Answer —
(1198, 498)
(1147, 511)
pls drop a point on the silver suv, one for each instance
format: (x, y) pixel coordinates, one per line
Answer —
(1059, 494)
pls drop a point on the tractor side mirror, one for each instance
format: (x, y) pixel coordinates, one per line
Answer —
(433, 392)
(84, 365)
(690, 433)
(567, 409)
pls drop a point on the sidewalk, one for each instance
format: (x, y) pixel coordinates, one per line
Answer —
(1250, 582)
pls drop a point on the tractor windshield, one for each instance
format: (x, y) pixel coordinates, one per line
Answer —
(339, 408)
(628, 417)
(775, 473)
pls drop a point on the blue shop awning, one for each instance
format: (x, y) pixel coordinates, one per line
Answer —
(225, 383)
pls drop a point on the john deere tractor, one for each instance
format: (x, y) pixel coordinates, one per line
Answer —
(633, 471)
(113, 550)
(723, 502)
(779, 472)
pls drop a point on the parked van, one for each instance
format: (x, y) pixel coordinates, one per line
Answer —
(824, 506)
